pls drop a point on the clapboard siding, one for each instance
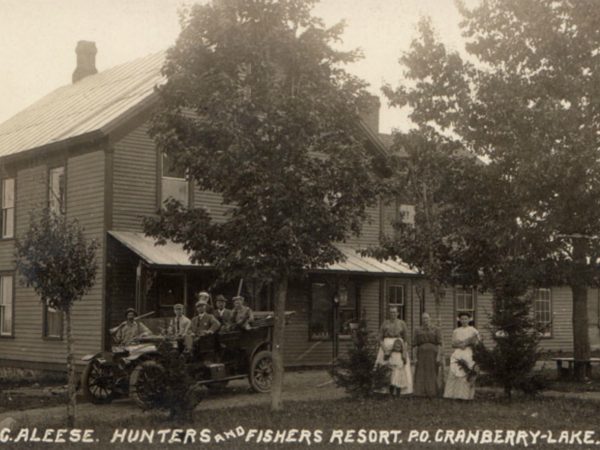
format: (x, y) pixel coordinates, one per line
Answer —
(134, 180)
(562, 313)
(370, 231)
(212, 202)
(27, 343)
(7, 252)
(85, 201)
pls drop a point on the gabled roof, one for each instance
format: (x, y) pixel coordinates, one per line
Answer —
(95, 103)
(94, 106)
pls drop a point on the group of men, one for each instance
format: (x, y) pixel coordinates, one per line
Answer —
(203, 323)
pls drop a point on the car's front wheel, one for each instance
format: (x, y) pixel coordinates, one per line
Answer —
(98, 382)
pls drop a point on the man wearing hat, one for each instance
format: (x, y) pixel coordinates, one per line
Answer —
(179, 325)
(203, 323)
(221, 313)
(130, 329)
(241, 317)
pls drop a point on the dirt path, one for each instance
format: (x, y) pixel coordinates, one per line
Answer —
(297, 386)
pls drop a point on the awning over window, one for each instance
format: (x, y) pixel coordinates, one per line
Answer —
(172, 254)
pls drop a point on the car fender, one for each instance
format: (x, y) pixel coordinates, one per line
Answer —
(102, 357)
(265, 345)
(146, 350)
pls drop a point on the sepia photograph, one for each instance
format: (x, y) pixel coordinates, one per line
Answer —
(256, 224)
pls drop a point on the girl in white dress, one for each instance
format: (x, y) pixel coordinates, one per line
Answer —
(459, 385)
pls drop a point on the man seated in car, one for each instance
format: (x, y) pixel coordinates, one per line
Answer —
(179, 325)
(242, 316)
(221, 313)
(131, 329)
(203, 323)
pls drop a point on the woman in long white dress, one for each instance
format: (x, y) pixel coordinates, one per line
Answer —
(391, 329)
(458, 384)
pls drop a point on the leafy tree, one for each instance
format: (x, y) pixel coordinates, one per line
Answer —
(55, 258)
(526, 100)
(258, 107)
(425, 177)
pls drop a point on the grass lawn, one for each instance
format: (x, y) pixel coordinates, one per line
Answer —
(382, 418)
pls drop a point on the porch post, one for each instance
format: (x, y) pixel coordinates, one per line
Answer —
(138, 287)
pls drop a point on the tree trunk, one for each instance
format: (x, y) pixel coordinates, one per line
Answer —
(581, 341)
(437, 295)
(72, 379)
(281, 287)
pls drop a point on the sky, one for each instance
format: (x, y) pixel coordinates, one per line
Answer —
(38, 38)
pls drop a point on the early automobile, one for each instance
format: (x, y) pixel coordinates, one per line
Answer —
(213, 361)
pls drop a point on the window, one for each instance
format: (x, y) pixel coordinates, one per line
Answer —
(53, 322)
(347, 308)
(6, 305)
(321, 312)
(174, 183)
(405, 213)
(542, 307)
(464, 301)
(8, 208)
(396, 297)
(170, 289)
(56, 190)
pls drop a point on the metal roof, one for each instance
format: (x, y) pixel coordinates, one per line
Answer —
(95, 103)
(172, 254)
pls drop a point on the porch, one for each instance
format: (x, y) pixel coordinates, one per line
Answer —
(325, 302)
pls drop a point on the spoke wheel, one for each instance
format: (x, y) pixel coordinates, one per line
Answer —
(98, 383)
(146, 385)
(261, 372)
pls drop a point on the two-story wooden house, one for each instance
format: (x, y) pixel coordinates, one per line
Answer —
(84, 151)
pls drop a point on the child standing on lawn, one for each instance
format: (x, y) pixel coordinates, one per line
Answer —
(397, 362)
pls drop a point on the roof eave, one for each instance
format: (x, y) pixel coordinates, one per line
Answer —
(92, 137)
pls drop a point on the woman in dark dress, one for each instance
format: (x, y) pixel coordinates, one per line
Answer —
(428, 341)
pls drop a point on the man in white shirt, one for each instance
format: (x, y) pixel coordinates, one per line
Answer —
(179, 325)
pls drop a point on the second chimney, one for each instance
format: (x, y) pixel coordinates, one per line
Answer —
(86, 60)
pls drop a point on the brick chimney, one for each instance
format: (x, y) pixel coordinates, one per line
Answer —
(370, 114)
(86, 60)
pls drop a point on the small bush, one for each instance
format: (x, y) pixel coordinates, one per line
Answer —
(356, 372)
(509, 363)
(176, 393)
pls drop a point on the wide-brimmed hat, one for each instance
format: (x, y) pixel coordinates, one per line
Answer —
(201, 302)
(220, 298)
(178, 306)
(128, 310)
(238, 297)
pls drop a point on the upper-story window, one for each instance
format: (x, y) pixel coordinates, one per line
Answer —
(174, 182)
(8, 207)
(405, 213)
(57, 190)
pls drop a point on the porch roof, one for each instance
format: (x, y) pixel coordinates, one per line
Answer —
(171, 254)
